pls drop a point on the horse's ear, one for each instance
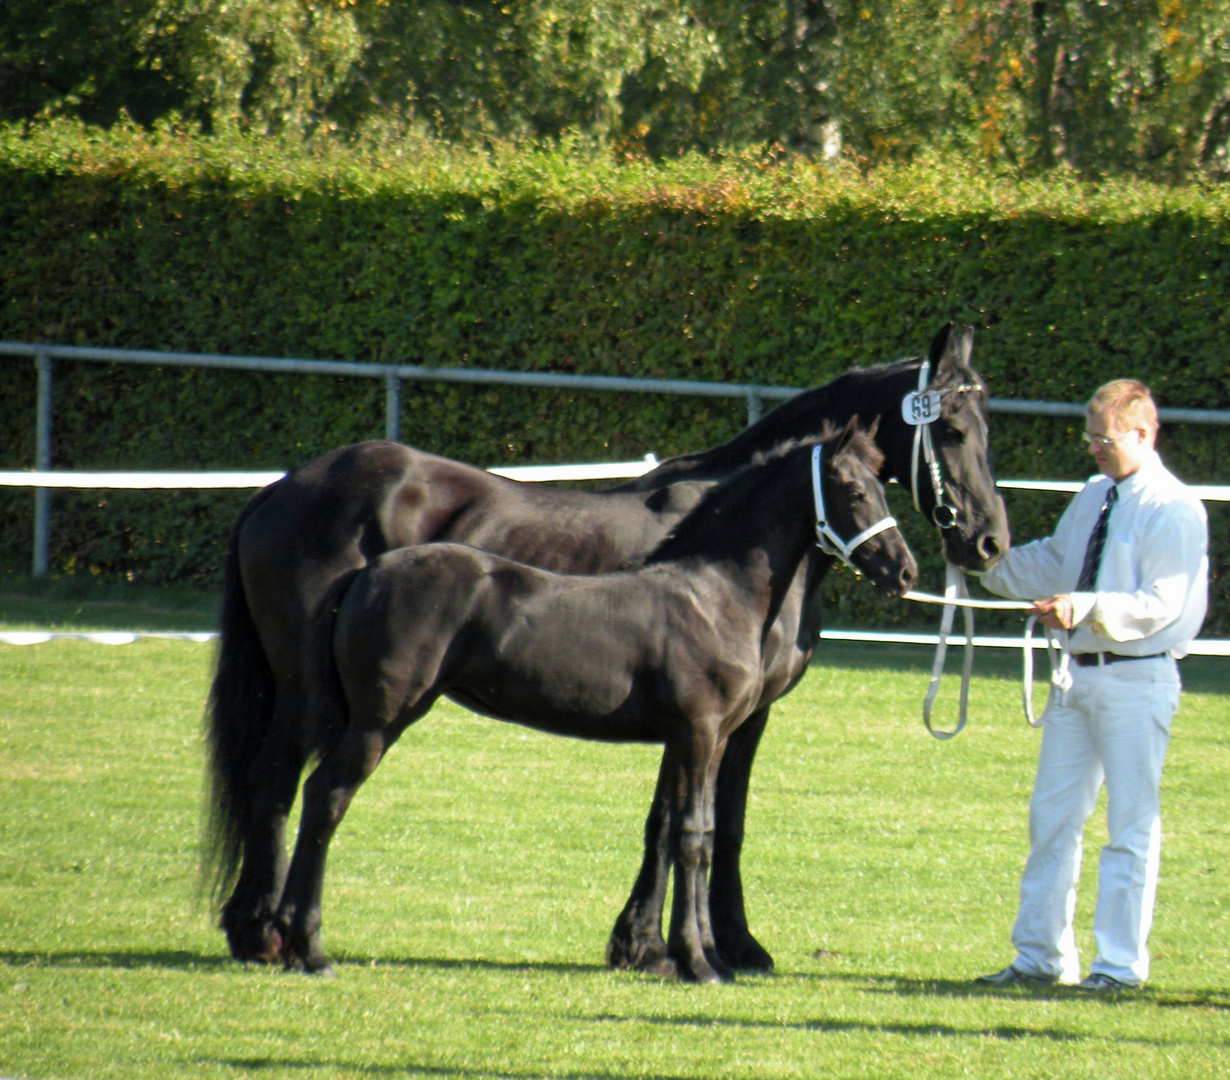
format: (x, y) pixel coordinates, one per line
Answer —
(952, 349)
(938, 344)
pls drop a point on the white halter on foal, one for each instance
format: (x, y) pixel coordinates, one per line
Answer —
(826, 539)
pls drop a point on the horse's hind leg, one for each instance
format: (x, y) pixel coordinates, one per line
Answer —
(249, 915)
(636, 940)
(734, 940)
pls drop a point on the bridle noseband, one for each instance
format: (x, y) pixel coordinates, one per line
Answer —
(920, 409)
(826, 539)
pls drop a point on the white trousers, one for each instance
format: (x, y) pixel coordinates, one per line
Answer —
(1114, 726)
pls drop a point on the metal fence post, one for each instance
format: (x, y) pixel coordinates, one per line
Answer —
(42, 463)
(392, 407)
(755, 407)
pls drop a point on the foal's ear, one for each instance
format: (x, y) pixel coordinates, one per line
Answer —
(847, 433)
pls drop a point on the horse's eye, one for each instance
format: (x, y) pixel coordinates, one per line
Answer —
(953, 436)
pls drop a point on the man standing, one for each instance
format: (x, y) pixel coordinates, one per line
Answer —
(1126, 571)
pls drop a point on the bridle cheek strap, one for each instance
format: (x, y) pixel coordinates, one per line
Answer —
(827, 540)
(924, 447)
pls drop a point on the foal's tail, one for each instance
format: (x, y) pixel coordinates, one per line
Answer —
(237, 718)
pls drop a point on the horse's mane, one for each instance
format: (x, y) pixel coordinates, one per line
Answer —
(734, 487)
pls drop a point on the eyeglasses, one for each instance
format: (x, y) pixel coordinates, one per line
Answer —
(1097, 440)
(1102, 440)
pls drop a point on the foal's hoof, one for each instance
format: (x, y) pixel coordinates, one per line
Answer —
(705, 973)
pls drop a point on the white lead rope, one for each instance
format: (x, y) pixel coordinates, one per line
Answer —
(956, 595)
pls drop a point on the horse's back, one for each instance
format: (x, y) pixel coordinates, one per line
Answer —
(333, 515)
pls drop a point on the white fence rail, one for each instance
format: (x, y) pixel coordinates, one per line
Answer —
(534, 473)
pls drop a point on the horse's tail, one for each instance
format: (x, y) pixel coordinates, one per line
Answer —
(237, 718)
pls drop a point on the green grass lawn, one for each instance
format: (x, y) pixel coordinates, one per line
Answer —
(472, 886)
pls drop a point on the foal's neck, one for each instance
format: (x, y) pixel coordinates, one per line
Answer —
(764, 513)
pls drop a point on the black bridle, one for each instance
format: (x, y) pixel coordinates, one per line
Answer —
(920, 409)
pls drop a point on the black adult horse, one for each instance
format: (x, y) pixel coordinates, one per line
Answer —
(680, 650)
(297, 537)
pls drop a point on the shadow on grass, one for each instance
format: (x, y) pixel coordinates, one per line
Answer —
(187, 961)
(887, 985)
(327, 1066)
(168, 960)
(440, 963)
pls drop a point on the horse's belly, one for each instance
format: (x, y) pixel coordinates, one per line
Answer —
(556, 714)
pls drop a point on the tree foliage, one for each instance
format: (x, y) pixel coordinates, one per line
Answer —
(1101, 86)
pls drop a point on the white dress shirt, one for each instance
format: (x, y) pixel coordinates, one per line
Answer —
(1152, 587)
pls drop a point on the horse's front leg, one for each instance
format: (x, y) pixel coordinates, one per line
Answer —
(730, 930)
(703, 915)
(326, 797)
(689, 911)
(636, 940)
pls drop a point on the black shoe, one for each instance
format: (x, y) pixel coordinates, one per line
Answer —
(1101, 983)
(1011, 976)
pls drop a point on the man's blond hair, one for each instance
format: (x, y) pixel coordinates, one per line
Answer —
(1127, 402)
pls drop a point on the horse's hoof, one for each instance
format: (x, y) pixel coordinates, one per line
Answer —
(635, 954)
(255, 943)
(319, 967)
(745, 953)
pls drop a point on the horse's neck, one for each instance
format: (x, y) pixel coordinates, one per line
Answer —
(869, 394)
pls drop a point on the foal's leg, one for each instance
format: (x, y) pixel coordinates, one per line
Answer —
(326, 797)
(636, 940)
(689, 911)
(734, 940)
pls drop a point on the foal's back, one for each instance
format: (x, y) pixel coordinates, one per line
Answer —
(625, 656)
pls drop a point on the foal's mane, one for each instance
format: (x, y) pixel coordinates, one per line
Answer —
(681, 539)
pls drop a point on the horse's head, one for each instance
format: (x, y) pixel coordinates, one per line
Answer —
(853, 520)
(950, 472)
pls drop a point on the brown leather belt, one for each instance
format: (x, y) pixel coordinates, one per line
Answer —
(1091, 659)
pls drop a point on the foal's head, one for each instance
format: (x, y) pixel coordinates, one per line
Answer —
(863, 532)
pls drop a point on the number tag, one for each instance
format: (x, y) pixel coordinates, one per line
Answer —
(921, 407)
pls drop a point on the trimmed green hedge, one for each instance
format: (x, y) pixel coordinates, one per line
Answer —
(559, 260)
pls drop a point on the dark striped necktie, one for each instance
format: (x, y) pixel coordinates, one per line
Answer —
(1097, 541)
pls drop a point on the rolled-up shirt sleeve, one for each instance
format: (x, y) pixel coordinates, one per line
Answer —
(1037, 569)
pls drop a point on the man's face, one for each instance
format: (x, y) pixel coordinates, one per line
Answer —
(1119, 451)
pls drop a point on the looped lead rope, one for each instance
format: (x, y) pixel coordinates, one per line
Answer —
(1057, 653)
(954, 588)
(956, 595)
